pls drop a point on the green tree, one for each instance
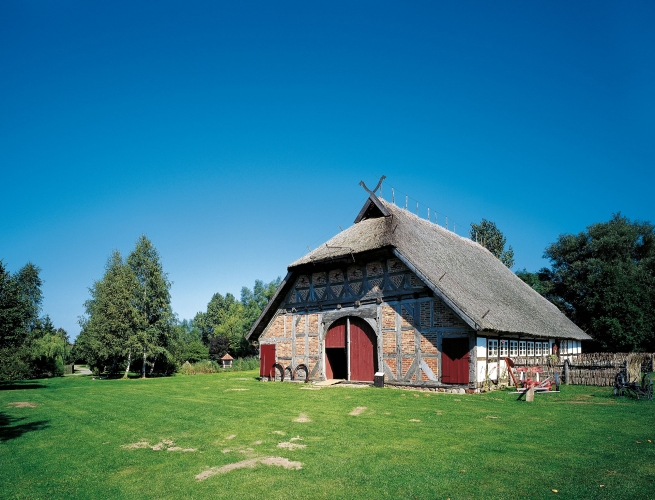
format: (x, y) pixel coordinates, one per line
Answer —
(187, 343)
(12, 331)
(256, 299)
(30, 346)
(604, 280)
(46, 349)
(218, 347)
(489, 236)
(109, 329)
(231, 318)
(152, 301)
(533, 280)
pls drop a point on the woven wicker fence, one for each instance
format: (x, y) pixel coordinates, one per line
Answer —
(591, 369)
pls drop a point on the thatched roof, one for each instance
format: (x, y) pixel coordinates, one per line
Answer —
(485, 293)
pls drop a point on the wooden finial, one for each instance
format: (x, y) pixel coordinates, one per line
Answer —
(379, 184)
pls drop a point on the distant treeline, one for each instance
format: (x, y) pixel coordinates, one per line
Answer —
(129, 324)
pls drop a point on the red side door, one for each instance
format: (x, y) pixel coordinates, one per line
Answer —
(363, 351)
(455, 359)
(266, 359)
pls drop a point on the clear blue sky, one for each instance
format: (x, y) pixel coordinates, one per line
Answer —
(234, 134)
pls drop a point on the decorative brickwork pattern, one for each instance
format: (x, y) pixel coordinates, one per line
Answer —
(319, 292)
(284, 349)
(300, 325)
(389, 342)
(388, 317)
(374, 269)
(415, 282)
(313, 346)
(356, 287)
(354, 273)
(375, 284)
(303, 294)
(405, 366)
(432, 363)
(408, 344)
(425, 314)
(396, 266)
(302, 282)
(407, 318)
(443, 316)
(319, 279)
(391, 363)
(313, 324)
(336, 276)
(429, 343)
(397, 280)
(276, 328)
(336, 290)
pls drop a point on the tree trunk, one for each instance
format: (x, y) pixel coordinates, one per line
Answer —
(143, 368)
(152, 368)
(129, 360)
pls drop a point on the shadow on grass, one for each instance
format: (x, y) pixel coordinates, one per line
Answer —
(9, 429)
(19, 386)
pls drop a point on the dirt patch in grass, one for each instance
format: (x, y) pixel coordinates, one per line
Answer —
(280, 433)
(136, 446)
(287, 445)
(231, 436)
(240, 389)
(22, 404)
(414, 420)
(302, 418)
(249, 464)
(164, 444)
(358, 411)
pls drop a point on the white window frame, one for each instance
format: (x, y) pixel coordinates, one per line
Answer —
(521, 347)
(537, 348)
(513, 348)
(546, 348)
(492, 348)
(530, 348)
(504, 348)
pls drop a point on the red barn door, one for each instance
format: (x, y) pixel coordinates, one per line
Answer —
(363, 350)
(455, 359)
(266, 359)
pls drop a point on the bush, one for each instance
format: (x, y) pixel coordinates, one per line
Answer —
(201, 367)
(241, 364)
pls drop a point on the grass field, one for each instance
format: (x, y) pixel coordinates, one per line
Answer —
(70, 438)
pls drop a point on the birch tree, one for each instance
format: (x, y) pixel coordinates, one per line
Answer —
(109, 329)
(152, 302)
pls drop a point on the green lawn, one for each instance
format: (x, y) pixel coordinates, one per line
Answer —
(403, 445)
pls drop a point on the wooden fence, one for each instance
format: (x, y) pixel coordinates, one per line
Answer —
(593, 368)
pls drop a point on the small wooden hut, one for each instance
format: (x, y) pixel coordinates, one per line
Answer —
(226, 361)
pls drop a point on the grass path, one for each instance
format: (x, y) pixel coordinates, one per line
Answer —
(75, 437)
